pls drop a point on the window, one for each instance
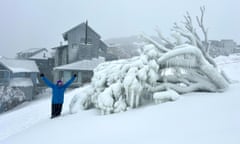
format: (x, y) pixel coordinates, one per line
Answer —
(75, 46)
(66, 76)
(79, 77)
(89, 40)
(87, 76)
(22, 74)
(4, 76)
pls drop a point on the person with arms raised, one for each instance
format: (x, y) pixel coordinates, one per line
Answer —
(58, 90)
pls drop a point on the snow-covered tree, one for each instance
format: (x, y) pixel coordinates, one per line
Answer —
(164, 70)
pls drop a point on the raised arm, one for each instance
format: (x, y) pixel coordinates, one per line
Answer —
(47, 82)
(68, 83)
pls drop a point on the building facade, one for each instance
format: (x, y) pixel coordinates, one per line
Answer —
(20, 74)
(83, 68)
(83, 43)
(42, 57)
(222, 47)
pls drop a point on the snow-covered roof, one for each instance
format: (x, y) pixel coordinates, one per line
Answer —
(60, 47)
(32, 50)
(17, 66)
(35, 53)
(41, 55)
(82, 65)
(82, 24)
(23, 82)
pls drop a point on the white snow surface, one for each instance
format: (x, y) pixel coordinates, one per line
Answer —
(196, 118)
(223, 60)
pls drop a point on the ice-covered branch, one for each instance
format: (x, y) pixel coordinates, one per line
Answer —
(203, 64)
(191, 34)
(167, 42)
(186, 89)
(200, 23)
(183, 50)
(156, 44)
(185, 34)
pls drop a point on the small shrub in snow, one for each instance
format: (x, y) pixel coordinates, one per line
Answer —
(10, 97)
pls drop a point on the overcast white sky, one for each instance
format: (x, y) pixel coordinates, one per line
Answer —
(40, 23)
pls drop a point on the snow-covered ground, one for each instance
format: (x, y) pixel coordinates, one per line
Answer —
(196, 118)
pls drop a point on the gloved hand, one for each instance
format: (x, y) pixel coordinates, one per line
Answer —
(41, 75)
(75, 75)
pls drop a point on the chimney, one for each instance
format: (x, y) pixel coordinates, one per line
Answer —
(86, 34)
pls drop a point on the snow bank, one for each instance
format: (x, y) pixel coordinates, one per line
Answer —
(197, 118)
(233, 58)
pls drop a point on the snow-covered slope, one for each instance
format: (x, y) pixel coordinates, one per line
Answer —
(196, 118)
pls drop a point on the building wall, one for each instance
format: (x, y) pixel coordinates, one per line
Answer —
(76, 44)
(228, 43)
(77, 50)
(61, 56)
(66, 75)
(82, 76)
(223, 47)
(6, 76)
(237, 50)
(87, 51)
(46, 67)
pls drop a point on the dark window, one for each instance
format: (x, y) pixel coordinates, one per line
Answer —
(74, 46)
(86, 76)
(89, 40)
(21, 74)
(4, 76)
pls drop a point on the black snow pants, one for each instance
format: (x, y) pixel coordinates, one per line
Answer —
(56, 110)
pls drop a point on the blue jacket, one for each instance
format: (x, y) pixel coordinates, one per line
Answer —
(58, 91)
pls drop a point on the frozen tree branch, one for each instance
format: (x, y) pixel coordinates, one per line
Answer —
(208, 87)
(151, 41)
(167, 42)
(204, 30)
